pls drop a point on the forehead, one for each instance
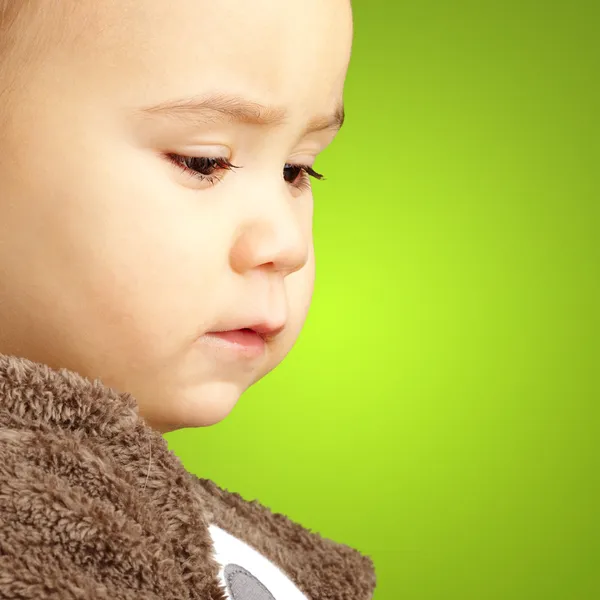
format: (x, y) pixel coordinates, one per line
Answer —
(281, 52)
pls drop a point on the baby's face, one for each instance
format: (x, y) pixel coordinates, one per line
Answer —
(125, 238)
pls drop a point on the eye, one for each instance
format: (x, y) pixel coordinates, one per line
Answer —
(202, 167)
(299, 175)
(212, 169)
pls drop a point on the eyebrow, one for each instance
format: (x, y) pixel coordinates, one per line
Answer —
(240, 110)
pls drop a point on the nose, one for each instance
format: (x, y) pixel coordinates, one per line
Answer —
(278, 237)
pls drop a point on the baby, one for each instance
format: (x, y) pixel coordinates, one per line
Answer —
(155, 239)
(155, 189)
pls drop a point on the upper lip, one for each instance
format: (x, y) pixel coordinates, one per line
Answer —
(266, 330)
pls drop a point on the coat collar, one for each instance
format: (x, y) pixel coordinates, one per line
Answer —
(35, 398)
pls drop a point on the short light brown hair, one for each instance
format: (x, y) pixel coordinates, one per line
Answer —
(12, 13)
(10, 10)
(25, 28)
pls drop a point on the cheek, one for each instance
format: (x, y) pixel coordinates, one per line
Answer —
(153, 287)
(299, 289)
(124, 257)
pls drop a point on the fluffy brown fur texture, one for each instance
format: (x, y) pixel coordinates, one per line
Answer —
(93, 505)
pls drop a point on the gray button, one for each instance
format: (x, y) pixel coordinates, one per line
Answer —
(242, 585)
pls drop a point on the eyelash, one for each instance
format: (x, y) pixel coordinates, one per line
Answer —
(185, 163)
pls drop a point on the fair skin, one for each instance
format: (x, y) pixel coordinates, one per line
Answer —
(115, 261)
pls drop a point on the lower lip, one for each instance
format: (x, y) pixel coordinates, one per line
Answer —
(244, 341)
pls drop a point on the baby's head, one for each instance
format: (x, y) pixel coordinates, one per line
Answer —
(155, 172)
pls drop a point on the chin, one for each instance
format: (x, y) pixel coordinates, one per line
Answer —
(203, 406)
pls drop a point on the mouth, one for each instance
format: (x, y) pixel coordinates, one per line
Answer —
(264, 330)
(249, 341)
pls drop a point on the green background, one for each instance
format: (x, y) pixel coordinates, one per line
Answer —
(440, 410)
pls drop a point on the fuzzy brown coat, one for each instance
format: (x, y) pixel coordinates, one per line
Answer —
(94, 506)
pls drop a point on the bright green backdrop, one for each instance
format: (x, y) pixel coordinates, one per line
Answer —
(440, 411)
